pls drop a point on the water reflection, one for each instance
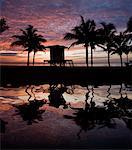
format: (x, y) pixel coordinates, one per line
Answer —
(30, 112)
(89, 116)
(93, 116)
(56, 98)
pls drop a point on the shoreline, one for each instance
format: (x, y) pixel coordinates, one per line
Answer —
(28, 75)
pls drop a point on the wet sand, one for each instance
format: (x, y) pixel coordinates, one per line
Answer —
(52, 129)
(56, 132)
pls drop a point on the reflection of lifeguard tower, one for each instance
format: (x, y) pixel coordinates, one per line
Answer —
(57, 56)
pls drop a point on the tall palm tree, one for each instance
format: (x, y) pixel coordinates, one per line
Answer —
(30, 40)
(120, 44)
(129, 25)
(128, 44)
(38, 39)
(83, 34)
(105, 38)
(127, 51)
(3, 25)
(128, 35)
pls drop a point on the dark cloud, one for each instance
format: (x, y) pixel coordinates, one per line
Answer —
(55, 17)
(8, 54)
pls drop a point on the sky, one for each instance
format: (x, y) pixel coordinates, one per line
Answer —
(54, 18)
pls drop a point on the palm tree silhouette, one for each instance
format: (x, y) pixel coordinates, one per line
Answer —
(128, 34)
(30, 40)
(3, 25)
(127, 50)
(83, 34)
(105, 38)
(129, 25)
(120, 44)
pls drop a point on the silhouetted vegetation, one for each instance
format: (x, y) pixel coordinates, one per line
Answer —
(3, 25)
(30, 40)
(129, 25)
(85, 34)
(106, 38)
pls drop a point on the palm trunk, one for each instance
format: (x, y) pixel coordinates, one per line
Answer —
(33, 58)
(121, 60)
(91, 57)
(87, 55)
(28, 59)
(108, 58)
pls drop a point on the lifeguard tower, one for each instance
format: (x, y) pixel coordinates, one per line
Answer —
(57, 56)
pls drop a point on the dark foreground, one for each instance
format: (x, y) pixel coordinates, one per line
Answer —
(67, 108)
(23, 75)
(66, 117)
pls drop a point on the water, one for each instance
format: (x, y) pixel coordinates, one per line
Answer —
(66, 116)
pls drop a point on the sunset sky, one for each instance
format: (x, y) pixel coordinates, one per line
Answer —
(53, 18)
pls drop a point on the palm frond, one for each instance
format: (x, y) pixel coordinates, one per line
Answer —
(69, 36)
(74, 43)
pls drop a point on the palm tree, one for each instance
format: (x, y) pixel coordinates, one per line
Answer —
(3, 25)
(128, 43)
(83, 34)
(105, 38)
(128, 34)
(92, 38)
(127, 51)
(129, 25)
(37, 45)
(30, 40)
(120, 44)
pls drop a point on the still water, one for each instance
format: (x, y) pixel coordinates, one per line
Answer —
(66, 116)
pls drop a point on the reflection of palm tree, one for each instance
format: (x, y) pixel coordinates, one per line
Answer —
(84, 34)
(30, 40)
(106, 35)
(3, 25)
(125, 105)
(108, 91)
(30, 112)
(30, 96)
(26, 90)
(94, 116)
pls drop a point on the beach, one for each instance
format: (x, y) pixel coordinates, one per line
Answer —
(38, 74)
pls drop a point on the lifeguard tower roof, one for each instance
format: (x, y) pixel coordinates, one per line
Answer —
(56, 46)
